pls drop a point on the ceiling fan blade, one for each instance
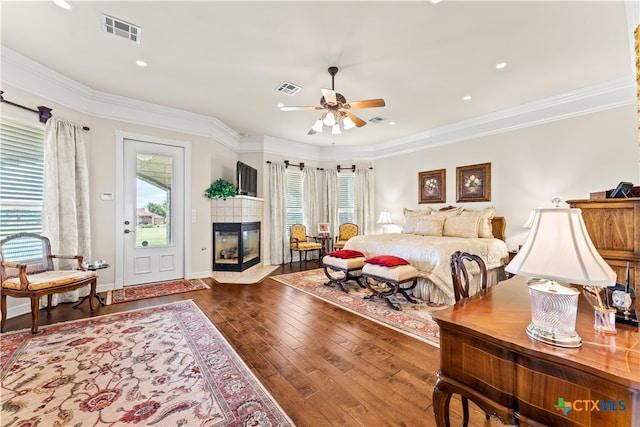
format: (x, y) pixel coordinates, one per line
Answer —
(316, 107)
(329, 96)
(369, 103)
(355, 119)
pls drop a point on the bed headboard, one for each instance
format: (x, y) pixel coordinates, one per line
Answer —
(498, 225)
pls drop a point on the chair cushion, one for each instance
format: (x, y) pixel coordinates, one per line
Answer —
(387, 260)
(305, 246)
(399, 274)
(348, 264)
(50, 279)
(346, 254)
(340, 244)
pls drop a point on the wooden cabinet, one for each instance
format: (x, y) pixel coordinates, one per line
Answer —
(614, 227)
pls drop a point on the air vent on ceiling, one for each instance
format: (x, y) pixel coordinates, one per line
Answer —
(376, 120)
(120, 28)
(288, 88)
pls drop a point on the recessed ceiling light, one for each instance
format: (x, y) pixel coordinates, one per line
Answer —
(467, 98)
(141, 63)
(63, 4)
(501, 65)
(280, 105)
(392, 123)
(435, 1)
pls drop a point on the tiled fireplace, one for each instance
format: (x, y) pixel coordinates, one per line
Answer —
(235, 257)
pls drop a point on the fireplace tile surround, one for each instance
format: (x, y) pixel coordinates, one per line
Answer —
(241, 209)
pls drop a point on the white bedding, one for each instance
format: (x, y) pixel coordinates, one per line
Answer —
(431, 255)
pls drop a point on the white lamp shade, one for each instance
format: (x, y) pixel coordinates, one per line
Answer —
(384, 218)
(529, 222)
(559, 248)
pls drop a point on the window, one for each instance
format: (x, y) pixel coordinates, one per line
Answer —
(345, 197)
(21, 178)
(295, 205)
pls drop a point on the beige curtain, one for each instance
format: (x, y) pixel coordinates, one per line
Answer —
(329, 200)
(311, 178)
(278, 208)
(363, 203)
(65, 205)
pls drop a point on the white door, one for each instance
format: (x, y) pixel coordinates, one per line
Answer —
(153, 212)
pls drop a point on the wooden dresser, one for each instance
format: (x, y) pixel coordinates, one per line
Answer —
(614, 227)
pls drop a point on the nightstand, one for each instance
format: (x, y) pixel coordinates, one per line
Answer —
(511, 255)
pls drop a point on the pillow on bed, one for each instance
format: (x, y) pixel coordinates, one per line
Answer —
(430, 225)
(461, 226)
(448, 212)
(346, 254)
(486, 215)
(411, 219)
(387, 261)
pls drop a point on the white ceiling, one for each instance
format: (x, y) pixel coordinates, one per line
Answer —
(225, 59)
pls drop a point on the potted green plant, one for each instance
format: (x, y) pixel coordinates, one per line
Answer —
(220, 188)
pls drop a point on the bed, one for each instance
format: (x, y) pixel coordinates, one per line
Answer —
(429, 238)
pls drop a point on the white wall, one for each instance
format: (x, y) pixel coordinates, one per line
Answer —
(568, 158)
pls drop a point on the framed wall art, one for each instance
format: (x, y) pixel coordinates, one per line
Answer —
(432, 186)
(473, 183)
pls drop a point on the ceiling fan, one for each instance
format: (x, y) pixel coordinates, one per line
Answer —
(337, 106)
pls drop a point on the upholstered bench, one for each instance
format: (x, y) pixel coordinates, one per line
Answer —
(347, 263)
(392, 272)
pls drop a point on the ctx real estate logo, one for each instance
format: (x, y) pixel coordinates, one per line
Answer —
(589, 405)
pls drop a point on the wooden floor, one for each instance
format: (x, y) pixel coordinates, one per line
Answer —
(324, 365)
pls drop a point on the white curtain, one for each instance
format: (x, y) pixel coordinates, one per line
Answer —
(65, 205)
(363, 202)
(278, 200)
(311, 197)
(330, 199)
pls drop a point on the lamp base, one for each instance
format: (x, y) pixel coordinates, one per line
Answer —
(553, 338)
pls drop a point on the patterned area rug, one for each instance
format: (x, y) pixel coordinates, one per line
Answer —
(165, 366)
(151, 290)
(412, 319)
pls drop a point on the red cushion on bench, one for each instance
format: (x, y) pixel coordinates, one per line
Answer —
(346, 254)
(387, 260)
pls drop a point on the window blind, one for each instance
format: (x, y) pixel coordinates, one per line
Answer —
(21, 178)
(345, 197)
(295, 206)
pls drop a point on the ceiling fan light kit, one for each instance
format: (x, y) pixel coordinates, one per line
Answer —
(335, 103)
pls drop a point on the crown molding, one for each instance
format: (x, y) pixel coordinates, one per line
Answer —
(32, 77)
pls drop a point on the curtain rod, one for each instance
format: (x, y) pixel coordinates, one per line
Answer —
(44, 113)
(301, 166)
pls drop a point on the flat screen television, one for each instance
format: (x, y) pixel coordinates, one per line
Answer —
(621, 191)
(246, 179)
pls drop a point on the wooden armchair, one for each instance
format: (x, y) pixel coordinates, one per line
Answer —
(27, 271)
(461, 285)
(345, 232)
(299, 241)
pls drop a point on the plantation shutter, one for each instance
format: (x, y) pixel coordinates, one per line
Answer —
(345, 197)
(295, 206)
(21, 178)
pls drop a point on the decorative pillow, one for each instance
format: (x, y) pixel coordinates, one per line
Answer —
(486, 215)
(411, 219)
(448, 212)
(430, 225)
(409, 212)
(461, 226)
(387, 261)
(346, 254)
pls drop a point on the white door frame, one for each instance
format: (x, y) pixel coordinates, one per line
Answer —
(119, 200)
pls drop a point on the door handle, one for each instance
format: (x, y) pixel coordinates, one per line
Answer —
(127, 231)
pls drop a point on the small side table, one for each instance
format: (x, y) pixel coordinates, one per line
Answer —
(325, 241)
(512, 255)
(97, 295)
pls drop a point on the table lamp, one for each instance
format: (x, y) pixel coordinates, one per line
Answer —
(559, 249)
(384, 219)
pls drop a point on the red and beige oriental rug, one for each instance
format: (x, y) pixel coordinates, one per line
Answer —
(412, 319)
(152, 290)
(165, 366)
